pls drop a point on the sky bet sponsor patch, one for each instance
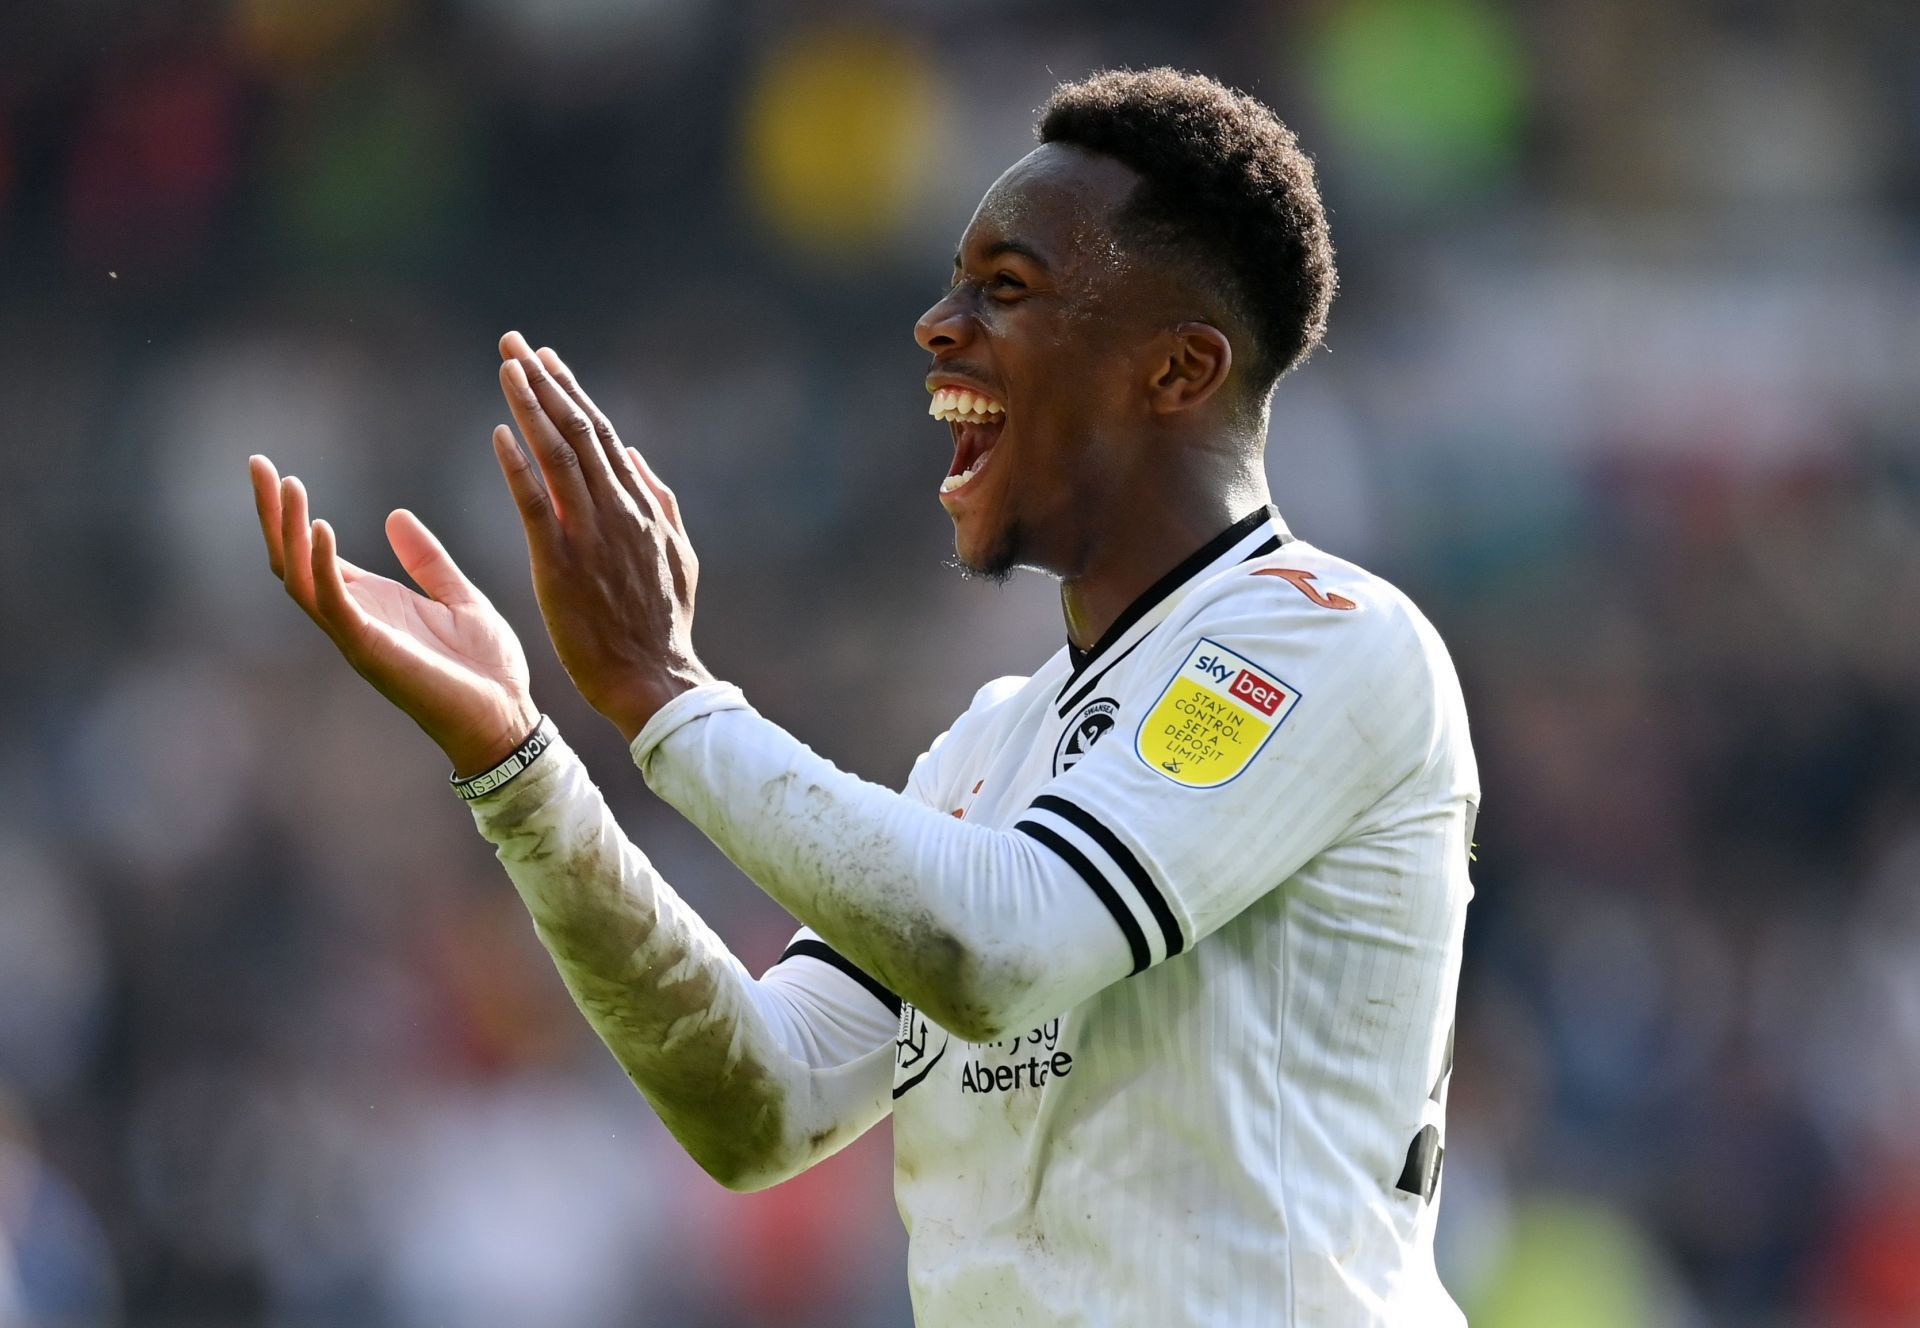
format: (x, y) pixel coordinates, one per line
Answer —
(1215, 715)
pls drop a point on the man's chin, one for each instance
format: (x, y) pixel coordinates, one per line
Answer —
(994, 558)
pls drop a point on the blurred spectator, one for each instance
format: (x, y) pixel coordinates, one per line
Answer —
(56, 1266)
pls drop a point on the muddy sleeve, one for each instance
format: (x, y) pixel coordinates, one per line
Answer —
(979, 928)
(758, 1079)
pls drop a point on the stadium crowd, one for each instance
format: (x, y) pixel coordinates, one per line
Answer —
(1623, 387)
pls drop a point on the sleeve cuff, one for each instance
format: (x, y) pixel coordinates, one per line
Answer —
(509, 806)
(517, 762)
(696, 703)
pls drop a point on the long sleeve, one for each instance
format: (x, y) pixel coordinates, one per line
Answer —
(982, 929)
(757, 1079)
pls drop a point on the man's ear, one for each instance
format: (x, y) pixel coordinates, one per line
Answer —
(1197, 361)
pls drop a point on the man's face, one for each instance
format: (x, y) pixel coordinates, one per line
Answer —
(1040, 330)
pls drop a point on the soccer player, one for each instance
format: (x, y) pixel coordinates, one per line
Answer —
(1154, 959)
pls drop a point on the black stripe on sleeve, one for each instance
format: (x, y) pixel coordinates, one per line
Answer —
(1074, 858)
(826, 954)
(1128, 863)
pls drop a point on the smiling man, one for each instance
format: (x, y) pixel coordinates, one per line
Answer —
(1153, 961)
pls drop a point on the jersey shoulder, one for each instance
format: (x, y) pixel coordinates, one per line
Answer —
(1302, 596)
(985, 717)
(1305, 620)
(996, 693)
(982, 714)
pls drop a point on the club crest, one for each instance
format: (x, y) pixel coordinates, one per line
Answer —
(1092, 722)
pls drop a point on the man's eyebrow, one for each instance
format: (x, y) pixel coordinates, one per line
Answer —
(1000, 247)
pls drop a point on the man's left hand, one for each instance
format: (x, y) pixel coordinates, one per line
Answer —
(612, 566)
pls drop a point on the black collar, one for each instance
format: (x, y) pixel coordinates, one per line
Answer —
(1187, 569)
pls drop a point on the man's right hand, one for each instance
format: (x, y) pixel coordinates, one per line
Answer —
(447, 658)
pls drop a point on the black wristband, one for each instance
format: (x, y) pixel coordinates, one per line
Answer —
(508, 770)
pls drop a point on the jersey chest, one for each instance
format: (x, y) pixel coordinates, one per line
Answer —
(942, 1081)
(948, 1092)
(1038, 736)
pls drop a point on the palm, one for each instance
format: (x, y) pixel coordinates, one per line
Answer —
(466, 643)
(445, 657)
(457, 668)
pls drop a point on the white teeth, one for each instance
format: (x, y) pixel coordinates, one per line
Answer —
(964, 407)
(958, 404)
(952, 482)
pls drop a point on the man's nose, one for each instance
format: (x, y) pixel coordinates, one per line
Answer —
(944, 326)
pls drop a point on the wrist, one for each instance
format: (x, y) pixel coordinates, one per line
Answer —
(511, 767)
(641, 703)
(697, 703)
(481, 750)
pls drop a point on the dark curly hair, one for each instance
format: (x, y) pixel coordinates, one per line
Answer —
(1225, 191)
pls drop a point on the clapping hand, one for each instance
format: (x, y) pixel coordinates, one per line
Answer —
(446, 656)
(612, 567)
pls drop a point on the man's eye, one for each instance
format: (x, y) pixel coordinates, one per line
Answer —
(999, 283)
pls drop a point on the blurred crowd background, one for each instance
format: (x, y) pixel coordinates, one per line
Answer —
(1623, 386)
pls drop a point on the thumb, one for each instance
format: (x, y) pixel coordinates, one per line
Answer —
(426, 561)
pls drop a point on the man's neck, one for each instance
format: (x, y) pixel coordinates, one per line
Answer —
(1147, 541)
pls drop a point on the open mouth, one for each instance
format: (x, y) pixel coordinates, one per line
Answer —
(976, 420)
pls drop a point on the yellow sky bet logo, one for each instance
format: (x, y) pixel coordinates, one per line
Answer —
(1213, 717)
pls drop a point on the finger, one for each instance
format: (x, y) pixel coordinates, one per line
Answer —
(514, 346)
(617, 458)
(662, 494)
(559, 462)
(337, 610)
(574, 425)
(427, 560)
(266, 502)
(296, 543)
(529, 495)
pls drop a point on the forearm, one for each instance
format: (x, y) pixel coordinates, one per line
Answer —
(984, 930)
(713, 1051)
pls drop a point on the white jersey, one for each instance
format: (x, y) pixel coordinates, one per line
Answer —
(1204, 885)
(1263, 774)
